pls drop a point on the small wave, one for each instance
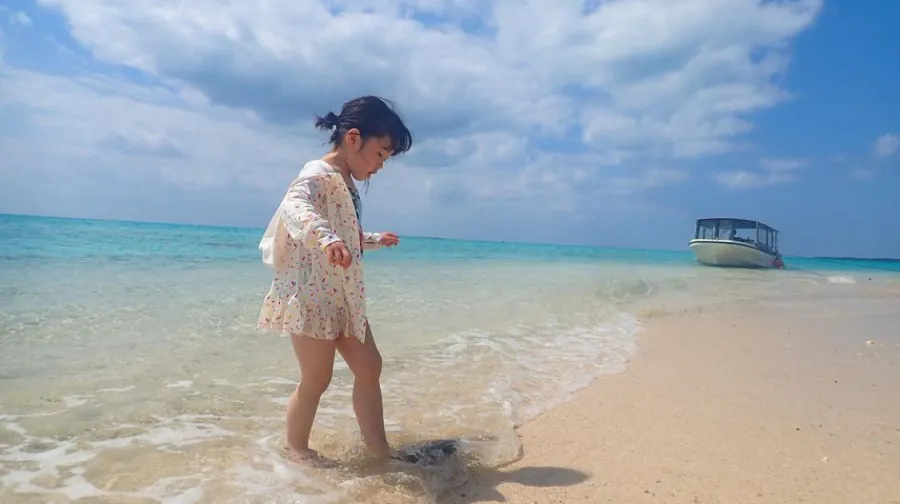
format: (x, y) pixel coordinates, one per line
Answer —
(158, 462)
(841, 280)
(180, 384)
(625, 290)
(74, 401)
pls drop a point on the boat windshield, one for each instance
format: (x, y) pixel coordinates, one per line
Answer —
(746, 231)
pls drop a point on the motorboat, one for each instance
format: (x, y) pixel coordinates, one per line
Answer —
(738, 243)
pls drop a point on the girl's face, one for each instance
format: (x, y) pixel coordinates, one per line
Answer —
(366, 158)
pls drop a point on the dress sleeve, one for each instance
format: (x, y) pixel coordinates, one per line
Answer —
(298, 209)
(371, 241)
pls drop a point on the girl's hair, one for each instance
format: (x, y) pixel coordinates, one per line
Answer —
(373, 117)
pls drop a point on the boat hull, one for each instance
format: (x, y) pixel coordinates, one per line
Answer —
(731, 254)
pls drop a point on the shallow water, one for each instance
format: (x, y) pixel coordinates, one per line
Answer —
(131, 370)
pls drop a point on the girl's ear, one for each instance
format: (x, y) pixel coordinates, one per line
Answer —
(353, 137)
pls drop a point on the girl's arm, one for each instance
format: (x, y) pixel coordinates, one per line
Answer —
(371, 241)
(302, 220)
(379, 240)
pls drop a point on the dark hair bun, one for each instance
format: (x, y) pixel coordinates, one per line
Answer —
(329, 122)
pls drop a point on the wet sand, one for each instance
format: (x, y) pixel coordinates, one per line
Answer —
(773, 404)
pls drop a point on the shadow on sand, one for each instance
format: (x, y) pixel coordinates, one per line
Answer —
(483, 482)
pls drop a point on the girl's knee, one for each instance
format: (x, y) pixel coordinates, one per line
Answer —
(315, 384)
(316, 359)
(370, 370)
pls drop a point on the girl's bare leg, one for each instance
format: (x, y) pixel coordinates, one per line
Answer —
(316, 359)
(364, 361)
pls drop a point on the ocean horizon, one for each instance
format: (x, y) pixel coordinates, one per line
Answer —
(132, 370)
(260, 229)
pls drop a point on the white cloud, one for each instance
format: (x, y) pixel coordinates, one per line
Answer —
(518, 106)
(886, 146)
(22, 19)
(863, 174)
(772, 172)
(648, 179)
(15, 17)
(682, 74)
(97, 122)
(782, 165)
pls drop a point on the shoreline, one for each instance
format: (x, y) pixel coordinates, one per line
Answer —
(772, 404)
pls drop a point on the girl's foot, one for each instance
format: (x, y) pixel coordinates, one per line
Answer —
(310, 457)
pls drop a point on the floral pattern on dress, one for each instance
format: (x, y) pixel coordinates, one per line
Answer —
(309, 296)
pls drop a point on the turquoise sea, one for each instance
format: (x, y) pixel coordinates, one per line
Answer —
(131, 370)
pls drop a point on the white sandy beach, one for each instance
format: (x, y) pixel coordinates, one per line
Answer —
(776, 404)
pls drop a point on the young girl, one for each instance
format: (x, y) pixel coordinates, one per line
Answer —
(314, 243)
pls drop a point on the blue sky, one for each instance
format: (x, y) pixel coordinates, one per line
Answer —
(613, 123)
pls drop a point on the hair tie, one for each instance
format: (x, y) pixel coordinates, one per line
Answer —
(333, 120)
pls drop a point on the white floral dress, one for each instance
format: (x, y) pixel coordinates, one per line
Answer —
(309, 296)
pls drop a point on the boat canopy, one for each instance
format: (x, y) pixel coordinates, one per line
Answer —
(752, 232)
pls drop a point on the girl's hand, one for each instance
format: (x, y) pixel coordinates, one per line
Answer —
(338, 254)
(389, 239)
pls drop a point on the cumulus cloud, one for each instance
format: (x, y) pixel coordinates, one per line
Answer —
(865, 174)
(676, 75)
(648, 179)
(14, 17)
(22, 19)
(886, 146)
(772, 172)
(523, 107)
